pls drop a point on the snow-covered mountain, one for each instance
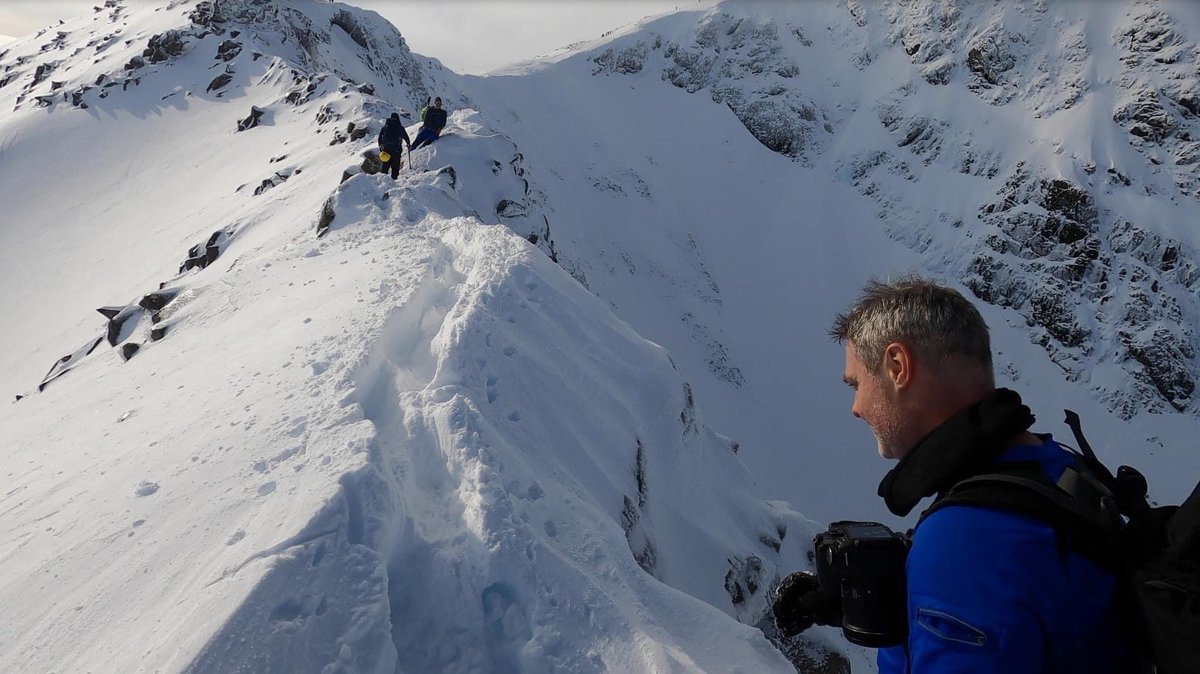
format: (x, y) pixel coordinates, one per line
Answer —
(522, 409)
(886, 142)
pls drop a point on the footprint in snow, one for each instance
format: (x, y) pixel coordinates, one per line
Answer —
(145, 488)
(505, 616)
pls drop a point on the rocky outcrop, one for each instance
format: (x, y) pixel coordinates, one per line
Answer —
(165, 46)
(742, 64)
(252, 120)
(228, 50)
(1094, 293)
(219, 82)
(348, 23)
(1160, 107)
(202, 255)
(325, 218)
(631, 514)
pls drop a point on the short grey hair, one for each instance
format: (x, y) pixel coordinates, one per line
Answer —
(933, 320)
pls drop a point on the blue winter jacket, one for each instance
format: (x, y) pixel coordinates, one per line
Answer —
(992, 592)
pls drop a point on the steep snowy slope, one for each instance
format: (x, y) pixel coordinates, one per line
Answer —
(747, 167)
(328, 421)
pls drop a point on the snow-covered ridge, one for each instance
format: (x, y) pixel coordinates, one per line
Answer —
(356, 451)
(378, 428)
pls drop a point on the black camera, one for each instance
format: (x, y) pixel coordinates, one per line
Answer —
(860, 583)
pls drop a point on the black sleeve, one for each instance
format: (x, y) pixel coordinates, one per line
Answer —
(404, 135)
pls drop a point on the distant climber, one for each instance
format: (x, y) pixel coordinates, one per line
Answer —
(392, 139)
(433, 120)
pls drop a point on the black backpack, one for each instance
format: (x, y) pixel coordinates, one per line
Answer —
(1155, 551)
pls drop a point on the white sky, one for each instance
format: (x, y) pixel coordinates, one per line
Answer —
(468, 36)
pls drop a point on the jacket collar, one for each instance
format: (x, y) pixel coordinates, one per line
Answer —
(962, 446)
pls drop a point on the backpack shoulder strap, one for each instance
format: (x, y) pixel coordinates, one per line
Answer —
(1080, 509)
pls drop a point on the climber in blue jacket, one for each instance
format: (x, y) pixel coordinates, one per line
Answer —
(989, 590)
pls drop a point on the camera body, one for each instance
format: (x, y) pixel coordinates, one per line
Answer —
(863, 562)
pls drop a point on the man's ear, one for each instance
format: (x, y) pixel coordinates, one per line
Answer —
(898, 364)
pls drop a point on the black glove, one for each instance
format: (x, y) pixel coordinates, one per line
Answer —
(800, 602)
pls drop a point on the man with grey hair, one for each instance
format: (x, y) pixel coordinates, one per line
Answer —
(989, 590)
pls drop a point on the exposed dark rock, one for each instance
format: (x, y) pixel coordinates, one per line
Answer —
(77, 97)
(730, 53)
(806, 655)
(116, 323)
(360, 133)
(346, 21)
(988, 58)
(743, 578)
(156, 301)
(449, 170)
(688, 416)
(219, 81)
(64, 364)
(128, 350)
(327, 114)
(1071, 201)
(250, 122)
(326, 217)
(42, 73)
(771, 542)
(371, 162)
(631, 515)
(781, 127)
(541, 238)
(207, 13)
(164, 46)
(275, 180)
(625, 61)
(511, 209)
(202, 255)
(229, 50)
(1146, 117)
(1165, 361)
(158, 333)
(110, 312)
